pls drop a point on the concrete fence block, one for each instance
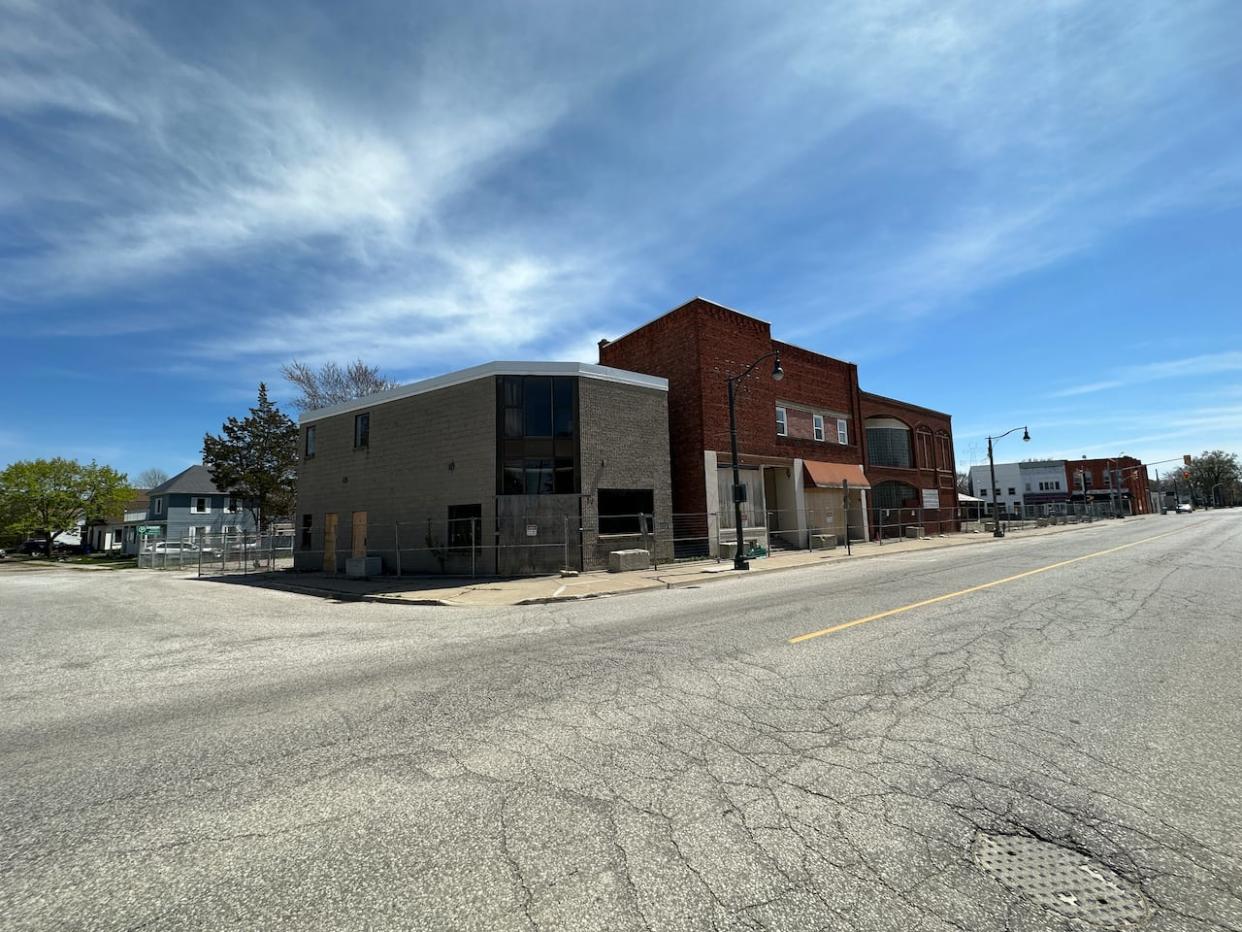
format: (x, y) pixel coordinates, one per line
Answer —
(363, 567)
(623, 561)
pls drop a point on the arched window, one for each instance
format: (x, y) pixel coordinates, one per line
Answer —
(888, 443)
(925, 447)
(944, 451)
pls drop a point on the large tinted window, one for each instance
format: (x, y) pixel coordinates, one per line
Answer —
(563, 407)
(538, 438)
(537, 397)
(888, 446)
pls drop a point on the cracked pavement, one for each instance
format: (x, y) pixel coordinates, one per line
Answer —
(182, 754)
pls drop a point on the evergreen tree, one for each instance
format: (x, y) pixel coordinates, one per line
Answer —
(256, 459)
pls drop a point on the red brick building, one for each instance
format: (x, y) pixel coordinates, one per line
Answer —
(1097, 476)
(913, 477)
(799, 439)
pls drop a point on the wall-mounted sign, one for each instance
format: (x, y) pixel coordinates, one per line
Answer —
(532, 530)
(931, 498)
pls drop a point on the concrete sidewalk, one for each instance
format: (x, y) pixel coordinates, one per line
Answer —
(439, 590)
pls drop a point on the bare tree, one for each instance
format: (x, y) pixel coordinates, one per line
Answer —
(150, 478)
(331, 383)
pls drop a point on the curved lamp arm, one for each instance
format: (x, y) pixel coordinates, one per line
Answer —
(777, 372)
(1026, 434)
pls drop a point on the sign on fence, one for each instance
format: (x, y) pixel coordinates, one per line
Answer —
(931, 498)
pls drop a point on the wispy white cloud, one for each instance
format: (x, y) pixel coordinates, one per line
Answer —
(1189, 366)
(1088, 388)
(478, 193)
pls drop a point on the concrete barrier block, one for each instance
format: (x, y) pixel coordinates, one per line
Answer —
(363, 567)
(915, 533)
(623, 561)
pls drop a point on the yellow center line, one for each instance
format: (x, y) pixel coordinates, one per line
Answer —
(987, 585)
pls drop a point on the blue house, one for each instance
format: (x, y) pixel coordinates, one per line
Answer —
(189, 506)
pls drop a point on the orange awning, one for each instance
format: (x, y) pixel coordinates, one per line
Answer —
(831, 475)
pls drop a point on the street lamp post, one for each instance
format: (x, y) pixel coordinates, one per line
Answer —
(997, 530)
(739, 559)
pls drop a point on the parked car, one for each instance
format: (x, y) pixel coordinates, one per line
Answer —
(1184, 508)
(174, 549)
(31, 547)
(4, 554)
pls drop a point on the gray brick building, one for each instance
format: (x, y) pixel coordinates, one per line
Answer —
(507, 468)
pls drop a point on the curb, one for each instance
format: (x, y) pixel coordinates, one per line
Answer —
(721, 577)
(691, 581)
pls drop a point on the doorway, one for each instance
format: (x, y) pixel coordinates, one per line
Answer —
(358, 535)
(329, 542)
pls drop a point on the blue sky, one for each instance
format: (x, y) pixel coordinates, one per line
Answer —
(1013, 212)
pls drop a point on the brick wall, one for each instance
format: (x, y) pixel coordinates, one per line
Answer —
(1133, 479)
(623, 441)
(668, 347)
(932, 449)
(426, 452)
(697, 347)
(404, 476)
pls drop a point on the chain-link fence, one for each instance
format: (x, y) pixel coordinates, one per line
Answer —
(978, 516)
(480, 545)
(477, 545)
(218, 554)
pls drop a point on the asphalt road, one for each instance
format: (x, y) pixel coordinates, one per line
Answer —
(179, 754)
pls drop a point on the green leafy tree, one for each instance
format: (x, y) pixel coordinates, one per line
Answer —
(52, 496)
(256, 459)
(1213, 468)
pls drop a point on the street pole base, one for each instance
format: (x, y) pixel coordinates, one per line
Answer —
(998, 533)
(740, 564)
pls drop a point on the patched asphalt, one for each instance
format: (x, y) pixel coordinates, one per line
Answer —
(182, 754)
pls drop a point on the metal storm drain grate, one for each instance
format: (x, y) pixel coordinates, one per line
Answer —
(1061, 880)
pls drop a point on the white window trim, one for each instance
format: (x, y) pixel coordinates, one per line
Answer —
(843, 431)
(195, 499)
(782, 421)
(159, 506)
(817, 427)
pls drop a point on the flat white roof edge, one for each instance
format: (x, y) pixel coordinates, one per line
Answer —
(488, 370)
